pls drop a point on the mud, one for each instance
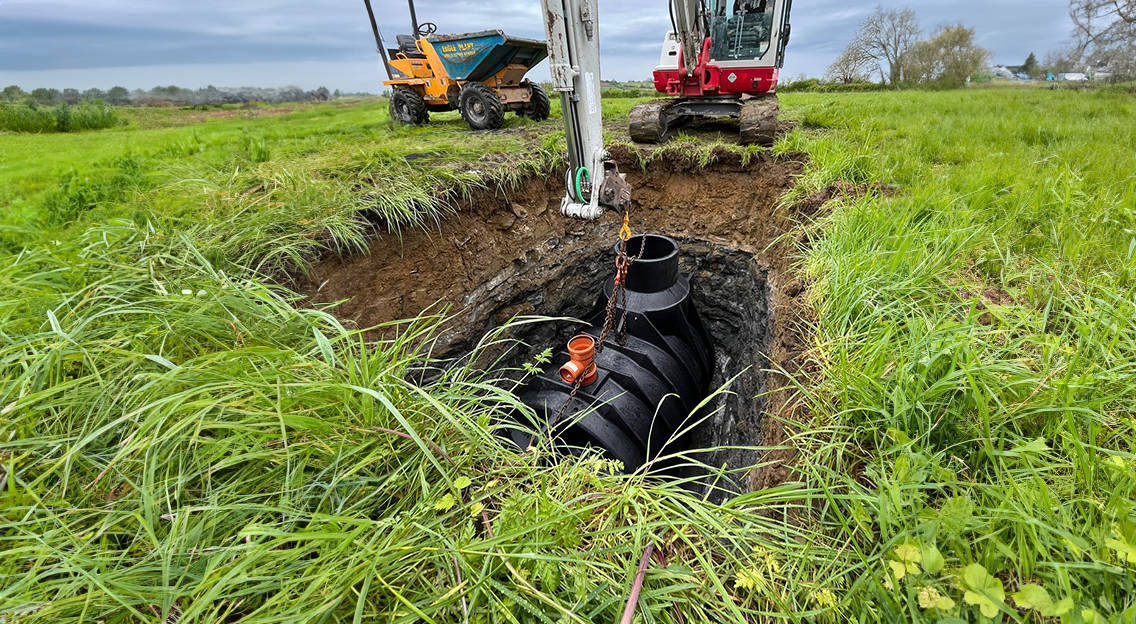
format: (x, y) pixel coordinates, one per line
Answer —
(504, 255)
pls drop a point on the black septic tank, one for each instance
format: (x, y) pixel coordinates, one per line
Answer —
(639, 394)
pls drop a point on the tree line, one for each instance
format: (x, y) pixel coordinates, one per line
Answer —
(889, 46)
(1104, 38)
(167, 95)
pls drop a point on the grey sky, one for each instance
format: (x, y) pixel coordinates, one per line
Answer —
(142, 43)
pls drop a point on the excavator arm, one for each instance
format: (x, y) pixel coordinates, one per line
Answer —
(689, 29)
(593, 183)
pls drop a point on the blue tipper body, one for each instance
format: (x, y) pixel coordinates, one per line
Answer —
(478, 56)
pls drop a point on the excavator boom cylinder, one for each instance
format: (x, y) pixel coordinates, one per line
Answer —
(592, 183)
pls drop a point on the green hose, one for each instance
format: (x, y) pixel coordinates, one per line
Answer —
(582, 171)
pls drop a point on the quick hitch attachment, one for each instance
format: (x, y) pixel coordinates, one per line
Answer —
(588, 195)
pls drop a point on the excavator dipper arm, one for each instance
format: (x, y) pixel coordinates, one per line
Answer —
(593, 183)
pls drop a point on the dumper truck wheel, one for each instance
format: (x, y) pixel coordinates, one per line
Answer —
(481, 108)
(407, 107)
(538, 107)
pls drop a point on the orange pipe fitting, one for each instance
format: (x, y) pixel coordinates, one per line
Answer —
(582, 365)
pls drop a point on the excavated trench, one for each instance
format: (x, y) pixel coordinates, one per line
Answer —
(506, 255)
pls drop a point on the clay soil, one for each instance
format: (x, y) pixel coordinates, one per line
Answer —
(512, 254)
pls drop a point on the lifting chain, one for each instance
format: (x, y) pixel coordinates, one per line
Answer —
(618, 299)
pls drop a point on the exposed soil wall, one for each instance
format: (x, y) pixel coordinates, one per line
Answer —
(506, 255)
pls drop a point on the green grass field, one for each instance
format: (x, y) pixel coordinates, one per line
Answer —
(177, 436)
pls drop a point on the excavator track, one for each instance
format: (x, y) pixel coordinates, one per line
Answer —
(647, 122)
(651, 122)
(757, 121)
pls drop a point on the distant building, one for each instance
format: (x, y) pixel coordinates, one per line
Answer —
(1072, 77)
(1000, 71)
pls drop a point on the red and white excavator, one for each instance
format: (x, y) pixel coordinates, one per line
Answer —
(722, 58)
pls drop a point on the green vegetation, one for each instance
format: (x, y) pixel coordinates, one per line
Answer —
(31, 117)
(629, 90)
(816, 85)
(292, 175)
(171, 95)
(975, 338)
(179, 436)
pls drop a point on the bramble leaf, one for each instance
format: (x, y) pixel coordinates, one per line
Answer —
(1032, 596)
(462, 482)
(982, 590)
(932, 559)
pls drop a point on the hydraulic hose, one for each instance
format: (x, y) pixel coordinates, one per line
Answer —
(582, 172)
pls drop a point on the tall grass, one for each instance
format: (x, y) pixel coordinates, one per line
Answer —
(974, 422)
(183, 440)
(63, 118)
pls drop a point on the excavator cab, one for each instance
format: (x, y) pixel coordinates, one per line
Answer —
(742, 33)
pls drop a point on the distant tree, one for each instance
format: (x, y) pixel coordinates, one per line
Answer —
(947, 59)
(91, 95)
(170, 93)
(851, 66)
(118, 95)
(337, 93)
(45, 96)
(1059, 61)
(884, 38)
(70, 96)
(1105, 35)
(13, 93)
(1030, 67)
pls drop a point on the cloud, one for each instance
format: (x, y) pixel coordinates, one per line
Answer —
(111, 39)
